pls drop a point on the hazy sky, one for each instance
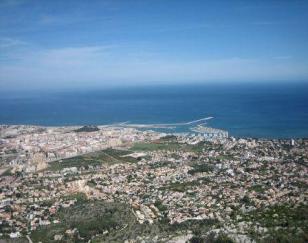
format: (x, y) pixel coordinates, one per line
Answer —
(63, 44)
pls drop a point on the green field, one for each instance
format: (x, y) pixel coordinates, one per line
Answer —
(170, 145)
(7, 172)
(107, 156)
(156, 146)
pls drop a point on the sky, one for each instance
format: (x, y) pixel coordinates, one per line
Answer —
(60, 44)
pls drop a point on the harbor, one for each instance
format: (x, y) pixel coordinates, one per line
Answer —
(209, 132)
(197, 127)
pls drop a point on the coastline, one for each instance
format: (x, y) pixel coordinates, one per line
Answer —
(263, 111)
(155, 176)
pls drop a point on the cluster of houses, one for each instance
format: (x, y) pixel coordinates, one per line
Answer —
(31, 148)
(205, 180)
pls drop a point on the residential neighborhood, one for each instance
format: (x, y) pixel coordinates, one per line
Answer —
(230, 183)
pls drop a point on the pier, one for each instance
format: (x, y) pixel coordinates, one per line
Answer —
(164, 125)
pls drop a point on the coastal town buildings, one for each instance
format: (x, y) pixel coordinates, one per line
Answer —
(174, 179)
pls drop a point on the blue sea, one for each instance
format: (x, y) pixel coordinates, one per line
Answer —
(275, 110)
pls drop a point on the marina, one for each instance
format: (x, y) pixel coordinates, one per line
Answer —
(209, 132)
(196, 126)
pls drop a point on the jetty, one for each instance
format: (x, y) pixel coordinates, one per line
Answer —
(164, 125)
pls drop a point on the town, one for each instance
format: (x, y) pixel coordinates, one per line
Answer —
(117, 184)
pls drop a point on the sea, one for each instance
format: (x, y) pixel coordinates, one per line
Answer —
(259, 110)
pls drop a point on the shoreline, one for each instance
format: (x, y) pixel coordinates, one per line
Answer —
(163, 128)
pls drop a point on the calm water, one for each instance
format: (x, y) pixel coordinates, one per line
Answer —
(244, 110)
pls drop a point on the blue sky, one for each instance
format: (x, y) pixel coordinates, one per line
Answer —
(65, 44)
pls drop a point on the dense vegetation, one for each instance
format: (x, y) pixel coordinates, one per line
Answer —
(85, 219)
(110, 222)
(87, 129)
